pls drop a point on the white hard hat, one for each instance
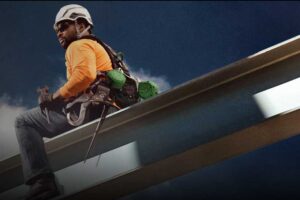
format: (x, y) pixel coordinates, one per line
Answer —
(72, 12)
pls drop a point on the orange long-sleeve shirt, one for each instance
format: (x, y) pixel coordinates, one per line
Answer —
(83, 59)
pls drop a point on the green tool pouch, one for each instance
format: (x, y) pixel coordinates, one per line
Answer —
(147, 89)
(117, 78)
(124, 88)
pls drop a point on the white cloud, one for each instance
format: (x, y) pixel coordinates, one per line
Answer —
(8, 113)
(161, 81)
(59, 82)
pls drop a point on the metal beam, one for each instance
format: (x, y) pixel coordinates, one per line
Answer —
(189, 115)
(247, 140)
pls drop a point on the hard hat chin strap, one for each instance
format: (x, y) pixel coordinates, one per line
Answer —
(83, 33)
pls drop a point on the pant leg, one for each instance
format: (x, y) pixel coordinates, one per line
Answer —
(30, 127)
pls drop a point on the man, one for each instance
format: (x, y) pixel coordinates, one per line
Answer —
(84, 57)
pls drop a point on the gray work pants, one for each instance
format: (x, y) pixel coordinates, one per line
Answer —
(31, 127)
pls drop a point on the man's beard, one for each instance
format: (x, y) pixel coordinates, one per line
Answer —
(68, 41)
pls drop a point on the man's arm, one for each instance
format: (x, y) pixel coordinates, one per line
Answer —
(82, 59)
(56, 95)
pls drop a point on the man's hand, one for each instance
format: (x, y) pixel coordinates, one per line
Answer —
(45, 99)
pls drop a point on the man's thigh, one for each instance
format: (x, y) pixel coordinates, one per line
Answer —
(37, 119)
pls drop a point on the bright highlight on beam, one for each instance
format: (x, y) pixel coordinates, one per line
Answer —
(274, 46)
(281, 99)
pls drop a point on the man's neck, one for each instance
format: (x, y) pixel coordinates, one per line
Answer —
(85, 32)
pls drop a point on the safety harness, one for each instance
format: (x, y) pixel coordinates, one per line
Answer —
(103, 93)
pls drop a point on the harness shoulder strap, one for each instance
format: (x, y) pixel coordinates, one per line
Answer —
(116, 58)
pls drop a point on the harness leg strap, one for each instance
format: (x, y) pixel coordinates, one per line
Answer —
(102, 118)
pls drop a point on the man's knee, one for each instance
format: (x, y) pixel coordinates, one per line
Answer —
(29, 117)
(20, 121)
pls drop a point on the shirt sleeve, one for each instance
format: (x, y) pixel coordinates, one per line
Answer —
(82, 60)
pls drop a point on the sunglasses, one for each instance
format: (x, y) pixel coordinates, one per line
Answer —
(63, 26)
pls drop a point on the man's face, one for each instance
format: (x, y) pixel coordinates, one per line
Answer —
(66, 33)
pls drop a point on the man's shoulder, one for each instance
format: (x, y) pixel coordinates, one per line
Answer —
(82, 43)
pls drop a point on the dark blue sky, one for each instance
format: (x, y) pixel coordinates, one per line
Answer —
(175, 40)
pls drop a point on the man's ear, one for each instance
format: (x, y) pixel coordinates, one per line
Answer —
(80, 26)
